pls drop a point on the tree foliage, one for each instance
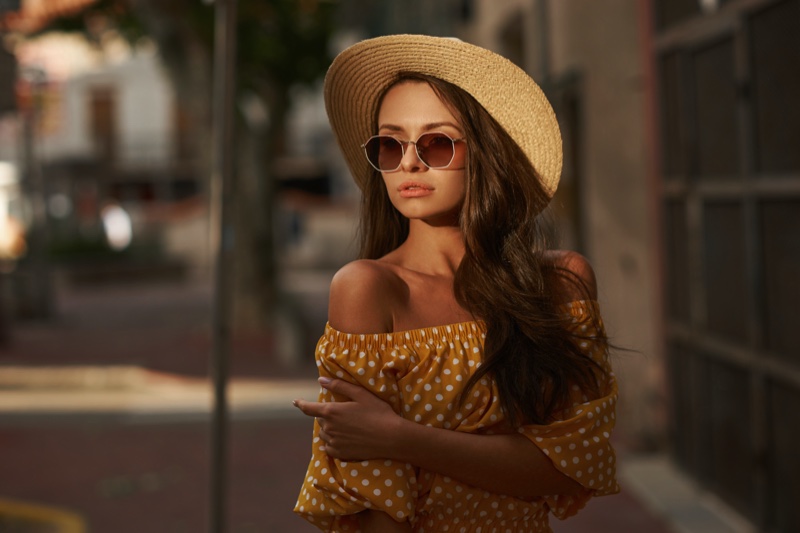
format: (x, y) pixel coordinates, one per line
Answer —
(280, 42)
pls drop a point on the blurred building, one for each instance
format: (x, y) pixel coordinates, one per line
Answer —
(104, 128)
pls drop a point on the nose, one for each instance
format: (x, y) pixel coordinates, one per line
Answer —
(411, 161)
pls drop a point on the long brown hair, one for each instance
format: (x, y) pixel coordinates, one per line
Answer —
(505, 278)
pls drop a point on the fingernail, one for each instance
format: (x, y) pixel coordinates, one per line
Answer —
(324, 381)
(294, 402)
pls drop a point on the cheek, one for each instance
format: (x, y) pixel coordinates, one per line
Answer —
(456, 191)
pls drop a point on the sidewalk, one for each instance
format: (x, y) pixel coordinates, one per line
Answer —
(105, 412)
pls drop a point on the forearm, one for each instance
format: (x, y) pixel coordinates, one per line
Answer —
(502, 464)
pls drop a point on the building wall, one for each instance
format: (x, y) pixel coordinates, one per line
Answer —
(598, 44)
(600, 40)
(143, 107)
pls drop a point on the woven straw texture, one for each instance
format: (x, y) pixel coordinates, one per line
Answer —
(359, 75)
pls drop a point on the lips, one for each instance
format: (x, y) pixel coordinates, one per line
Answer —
(414, 189)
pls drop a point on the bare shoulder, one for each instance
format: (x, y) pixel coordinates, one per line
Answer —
(575, 279)
(363, 297)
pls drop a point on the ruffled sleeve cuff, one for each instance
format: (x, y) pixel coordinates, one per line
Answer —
(335, 491)
(578, 442)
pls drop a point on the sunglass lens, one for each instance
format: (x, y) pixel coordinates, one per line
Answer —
(385, 153)
(435, 149)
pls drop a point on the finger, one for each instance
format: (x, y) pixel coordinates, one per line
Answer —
(309, 408)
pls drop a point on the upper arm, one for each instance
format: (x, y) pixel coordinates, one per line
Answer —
(574, 277)
(362, 298)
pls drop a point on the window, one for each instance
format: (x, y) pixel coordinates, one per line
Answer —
(780, 228)
(776, 84)
(672, 111)
(717, 131)
(725, 278)
(677, 244)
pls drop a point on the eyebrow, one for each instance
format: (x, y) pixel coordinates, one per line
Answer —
(426, 127)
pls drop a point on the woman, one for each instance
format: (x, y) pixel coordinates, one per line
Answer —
(464, 368)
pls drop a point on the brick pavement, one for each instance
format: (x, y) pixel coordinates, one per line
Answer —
(149, 475)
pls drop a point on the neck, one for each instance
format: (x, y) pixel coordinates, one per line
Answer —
(435, 250)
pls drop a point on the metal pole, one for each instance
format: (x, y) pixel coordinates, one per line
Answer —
(38, 286)
(222, 238)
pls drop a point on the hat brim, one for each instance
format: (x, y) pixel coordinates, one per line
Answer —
(361, 74)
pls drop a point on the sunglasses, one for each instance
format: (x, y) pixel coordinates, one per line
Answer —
(435, 150)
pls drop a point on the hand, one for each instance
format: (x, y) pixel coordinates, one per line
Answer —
(355, 430)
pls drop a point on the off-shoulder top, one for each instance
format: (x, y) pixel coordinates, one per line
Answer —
(420, 373)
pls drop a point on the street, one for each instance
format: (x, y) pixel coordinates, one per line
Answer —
(139, 460)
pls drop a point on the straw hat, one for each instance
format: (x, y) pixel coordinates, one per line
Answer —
(360, 74)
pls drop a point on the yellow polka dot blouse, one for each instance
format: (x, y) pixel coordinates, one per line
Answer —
(420, 373)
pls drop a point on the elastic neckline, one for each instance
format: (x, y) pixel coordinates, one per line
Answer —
(428, 331)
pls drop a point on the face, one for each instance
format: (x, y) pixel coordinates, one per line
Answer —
(435, 196)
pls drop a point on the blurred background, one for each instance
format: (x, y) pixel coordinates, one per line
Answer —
(681, 129)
